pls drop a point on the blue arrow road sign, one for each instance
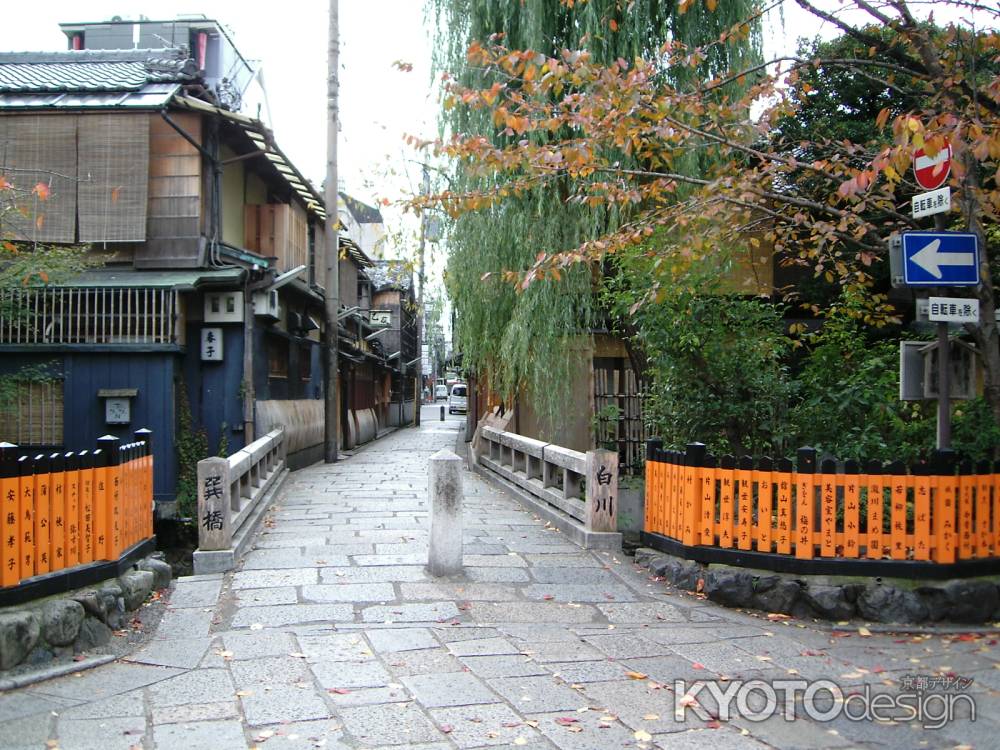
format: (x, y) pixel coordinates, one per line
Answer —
(940, 259)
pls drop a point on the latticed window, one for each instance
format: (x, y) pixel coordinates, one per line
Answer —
(34, 415)
(277, 357)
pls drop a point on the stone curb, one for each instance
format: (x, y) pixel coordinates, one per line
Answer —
(961, 603)
(61, 670)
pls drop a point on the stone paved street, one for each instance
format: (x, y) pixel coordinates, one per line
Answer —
(331, 634)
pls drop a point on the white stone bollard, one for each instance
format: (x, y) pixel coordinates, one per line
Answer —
(445, 496)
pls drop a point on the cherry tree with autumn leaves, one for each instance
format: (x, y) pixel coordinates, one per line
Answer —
(697, 166)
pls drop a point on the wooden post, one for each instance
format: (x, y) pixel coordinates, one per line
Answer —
(58, 495)
(653, 489)
(744, 476)
(852, 509)
(602, 490)
(727, 481)
(214, 503)
(112, 513)
(765, 503)
(900, 482)
(86, 483)
(984, 536)
(145, 436)
(783, 481)
(72, 519)
(26, 494)
(828, 508)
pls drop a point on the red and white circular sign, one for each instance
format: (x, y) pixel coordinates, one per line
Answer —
(932, 171)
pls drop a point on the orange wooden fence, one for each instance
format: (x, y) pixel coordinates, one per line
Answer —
(938, 512)
(64, 510)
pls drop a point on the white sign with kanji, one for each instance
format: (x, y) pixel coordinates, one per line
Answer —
(934, 202)
(211, 344)
(952, 310)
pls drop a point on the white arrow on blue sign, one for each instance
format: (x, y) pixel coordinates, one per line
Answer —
(940, 259)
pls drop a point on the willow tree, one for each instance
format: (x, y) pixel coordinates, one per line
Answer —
(522, 338)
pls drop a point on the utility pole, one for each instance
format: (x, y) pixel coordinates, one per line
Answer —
(331, 403)
(425, 188)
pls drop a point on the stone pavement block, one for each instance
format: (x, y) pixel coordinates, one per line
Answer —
(401, 639)
(338, 549)
(480, 574)
(724, 658)
(195, 712)
(534, 633)
(438, 690)
(188, 593)
(334, 647)
(350, 592)
(269, 670)
(573, 575)
(126, 704)
(587, 671)
(101, 734)
(511, 560)
(643, 612)
(374, 574)
(324, 734)
(276, 617)
(389, 724)
(25, 733)
(112, 679)
(415, 558)
(529, 695)
(478, 726)
(295, 541)
(625, 645)
(368, 674)
(578, 592)
(669, 635)
(24, 703)
(283, 703)
(569, 560)
(254, 644)
(666, 669)
(227, 734)
(185, 624)
(368, 696)
(633, 700)
(483, 647)
(424, 661)
(434, 612)
(266, 597)
(198, 686)
(559, 651)
(799, 735)
(587, 733)
(260, 579)
(185, 653)
(536, 612)
(489, 667)
(454, 633)
(269, 559)
(722, 738)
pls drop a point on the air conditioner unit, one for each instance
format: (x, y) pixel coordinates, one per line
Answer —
(266, 305)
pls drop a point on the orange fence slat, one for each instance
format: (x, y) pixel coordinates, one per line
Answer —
(58, 498)
(852, 510)
(86, 507)
(709, 480)
(726, 501)
(984, 528)
(783, 481)
(875, 498)
(945, 532)
(72, 510)
(900, 483)
(765, 504)
(744, 507)
(923, 487)
(805, 503)
(10, 523)
(966, 492)
(43, 516)
(26, 497)
(828, 510)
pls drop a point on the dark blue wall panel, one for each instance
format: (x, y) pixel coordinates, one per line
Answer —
(214, 388)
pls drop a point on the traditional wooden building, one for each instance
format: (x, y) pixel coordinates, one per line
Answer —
(208, 292)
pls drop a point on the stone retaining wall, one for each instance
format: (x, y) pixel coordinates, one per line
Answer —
(967, 601)
(76, 621)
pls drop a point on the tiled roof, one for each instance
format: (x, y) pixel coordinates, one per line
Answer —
(362, 212)
(390, 274)
(98, 70)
